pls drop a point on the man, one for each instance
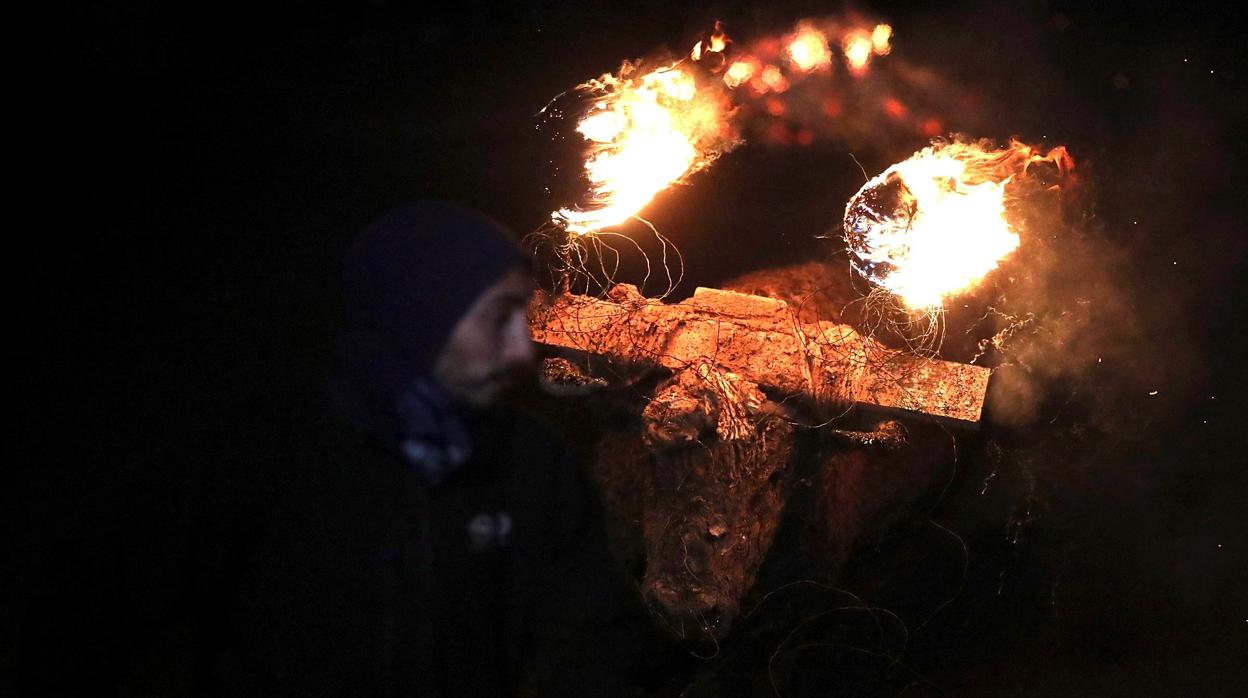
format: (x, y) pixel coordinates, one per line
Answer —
(413, 538)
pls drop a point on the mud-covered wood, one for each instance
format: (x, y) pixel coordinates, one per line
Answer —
(762, 341)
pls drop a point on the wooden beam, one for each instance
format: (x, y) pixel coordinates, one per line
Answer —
(763, 341)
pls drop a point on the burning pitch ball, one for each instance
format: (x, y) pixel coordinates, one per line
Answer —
(646, 131)
(935, 224)
(650, 127)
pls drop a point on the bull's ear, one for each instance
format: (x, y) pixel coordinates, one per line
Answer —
(888, 435)
(562, 378)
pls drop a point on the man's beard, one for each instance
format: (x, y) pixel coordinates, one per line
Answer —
(503, 385)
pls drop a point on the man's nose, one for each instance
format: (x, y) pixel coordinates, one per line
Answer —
(518, 347)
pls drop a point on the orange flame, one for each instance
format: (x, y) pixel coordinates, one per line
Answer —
(716, 43)
(646, 132)
(740, 71)
(880, 38)
(772, 79)
(857, 45)
(719, 40)
(808, 49)
(934, 225)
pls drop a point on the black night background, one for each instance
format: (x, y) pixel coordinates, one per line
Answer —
(209, 166)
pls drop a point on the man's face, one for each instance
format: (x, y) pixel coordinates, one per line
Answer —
(490, 346)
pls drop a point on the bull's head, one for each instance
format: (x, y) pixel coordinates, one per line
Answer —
(705, 472)
(720, 462)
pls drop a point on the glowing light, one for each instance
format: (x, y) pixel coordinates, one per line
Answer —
(645, 132)
(808, 49)
(895, 109)
(934, 225)
(717, 42)
(772, 79)
(880, 38)
(740, 71)
(857, 46)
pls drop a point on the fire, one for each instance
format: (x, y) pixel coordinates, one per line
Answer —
(935, 224)
(645, 132)
(719, 40)
(857, 46)
(740, 71)
(716, 43)
(772, 79)
(808, 49)
(880, 38)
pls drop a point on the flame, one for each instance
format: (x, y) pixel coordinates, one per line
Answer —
(880, 38)
(719, 40)
(716, 43)
(934, 225)
(646, 132)
(857, 45)
(771, 79)
(740, 71)
(808, 49)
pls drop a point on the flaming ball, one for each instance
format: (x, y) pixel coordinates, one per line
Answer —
(808, 49)
(934, 225)
(645, 132)
(649, 128)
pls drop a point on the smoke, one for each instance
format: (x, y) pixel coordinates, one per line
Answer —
(1063, 315)
(1105, 331)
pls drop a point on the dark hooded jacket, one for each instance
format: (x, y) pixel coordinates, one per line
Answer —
(299, 552)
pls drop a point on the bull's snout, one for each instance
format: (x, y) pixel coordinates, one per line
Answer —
(688, 615)
(684, 593)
